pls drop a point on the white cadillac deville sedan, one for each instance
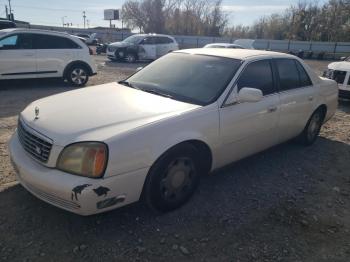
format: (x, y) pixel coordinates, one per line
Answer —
(153, 135)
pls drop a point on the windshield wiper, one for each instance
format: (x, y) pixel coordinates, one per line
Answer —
(127, 83)
(156, 92)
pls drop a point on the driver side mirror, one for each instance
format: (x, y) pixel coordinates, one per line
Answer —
(343, 58)
(247, 94)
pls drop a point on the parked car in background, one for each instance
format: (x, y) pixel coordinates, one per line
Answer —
(340, 72)
(101, 48)
(89, 39)
(4, 24)
(153, 135)
(246, 43)
(84, 41)
(223, 45)
(142, 47)
(30, 53)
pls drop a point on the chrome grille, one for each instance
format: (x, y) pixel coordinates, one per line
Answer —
(37, 147)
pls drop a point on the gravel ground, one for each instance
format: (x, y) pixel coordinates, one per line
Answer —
(289, 203)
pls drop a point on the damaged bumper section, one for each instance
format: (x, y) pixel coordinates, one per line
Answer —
(80, 195)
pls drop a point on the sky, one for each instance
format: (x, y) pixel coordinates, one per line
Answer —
(53, 12)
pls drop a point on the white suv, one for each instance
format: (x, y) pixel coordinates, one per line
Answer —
(142, 47)
(30, 53)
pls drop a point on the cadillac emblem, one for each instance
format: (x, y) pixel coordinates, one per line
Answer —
(36, 113)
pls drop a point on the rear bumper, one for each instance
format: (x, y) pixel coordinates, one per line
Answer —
(80, 195)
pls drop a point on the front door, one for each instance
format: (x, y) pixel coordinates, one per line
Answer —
(18, 58)
(247, 128)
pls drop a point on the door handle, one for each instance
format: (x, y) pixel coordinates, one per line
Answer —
(28, 54)
(310, 98)
(272, 109)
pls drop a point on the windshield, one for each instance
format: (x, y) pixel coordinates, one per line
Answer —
(134, 39)
(197, 79)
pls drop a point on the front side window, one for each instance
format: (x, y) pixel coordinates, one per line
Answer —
(134, 39)
(258, 75)
(197, 79)
(288, 74)
(9, 42)
(149, 41)
(20, 41)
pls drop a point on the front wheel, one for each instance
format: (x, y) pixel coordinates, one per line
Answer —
(130, 58)
(312, 129)
(78, 75)
(173, 179)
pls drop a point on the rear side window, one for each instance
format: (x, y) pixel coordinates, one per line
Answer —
(304, 79)
(258, 75)
(288, 74)
(54, 42)
(163, 40)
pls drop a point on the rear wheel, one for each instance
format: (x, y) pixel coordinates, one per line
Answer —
(312, 129)
(173, 179)
(78, 75)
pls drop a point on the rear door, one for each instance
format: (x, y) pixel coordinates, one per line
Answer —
(17, 56)
(297, 97)
(148, 45)
(164, 45)
(54, 53)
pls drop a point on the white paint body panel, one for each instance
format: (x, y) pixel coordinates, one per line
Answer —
(139, 127)
(51, 61)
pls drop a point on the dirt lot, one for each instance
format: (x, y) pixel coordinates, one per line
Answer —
(289, 203)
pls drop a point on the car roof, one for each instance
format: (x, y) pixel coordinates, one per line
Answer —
(223, 44)
(28, 30)
(153, 35)
(241, 54)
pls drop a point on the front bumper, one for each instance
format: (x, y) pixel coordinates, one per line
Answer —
(80, 195)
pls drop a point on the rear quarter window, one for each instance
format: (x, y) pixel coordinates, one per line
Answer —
(304, 79)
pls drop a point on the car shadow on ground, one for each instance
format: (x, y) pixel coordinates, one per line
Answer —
(250, 204)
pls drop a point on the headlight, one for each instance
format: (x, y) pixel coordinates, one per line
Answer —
(85, 159)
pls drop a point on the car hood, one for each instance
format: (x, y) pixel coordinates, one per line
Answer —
(98, 113)
(121, 44)
(342, 66)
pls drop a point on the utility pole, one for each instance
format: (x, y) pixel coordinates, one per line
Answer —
(63, 20)
(84, 17)
(7, 12)
(10, 16)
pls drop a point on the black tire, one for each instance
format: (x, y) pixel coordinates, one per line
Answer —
(172, 179)
(77, 75)
(312, 128)
(130, 58)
